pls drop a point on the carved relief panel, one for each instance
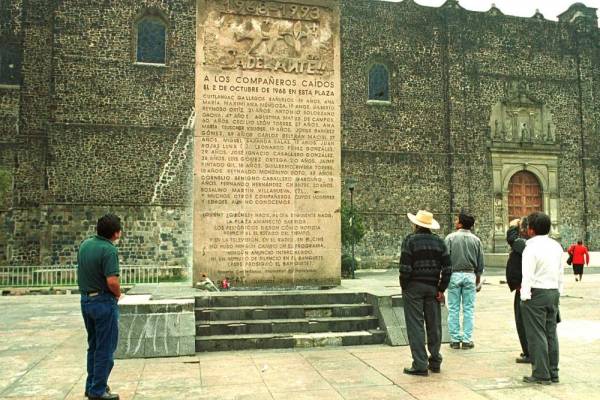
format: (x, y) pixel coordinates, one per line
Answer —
(270, 36)
(519, 118)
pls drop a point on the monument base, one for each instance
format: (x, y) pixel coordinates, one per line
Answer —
(155, 323)
(495, 260)
(155, 328)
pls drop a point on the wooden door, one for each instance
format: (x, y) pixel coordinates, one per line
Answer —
(524, 195)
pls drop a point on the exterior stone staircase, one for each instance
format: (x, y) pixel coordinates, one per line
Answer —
(264, 320)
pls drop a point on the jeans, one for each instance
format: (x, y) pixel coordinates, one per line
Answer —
(461, 290)
(101, 319)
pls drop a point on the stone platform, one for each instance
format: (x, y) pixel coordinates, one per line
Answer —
(155, 328)
(155, 323)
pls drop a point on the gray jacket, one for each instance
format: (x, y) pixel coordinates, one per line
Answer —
(466, 252)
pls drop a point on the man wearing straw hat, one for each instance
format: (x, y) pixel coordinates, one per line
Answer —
(424, 275)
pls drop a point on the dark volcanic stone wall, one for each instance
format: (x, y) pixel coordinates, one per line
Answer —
(96, 79)
(9, 113)
(89, 130)
(120, 165)
(100, 132)
(116, 121)
(485, 53)
(429, 147)
(397, 152)
(587, 39)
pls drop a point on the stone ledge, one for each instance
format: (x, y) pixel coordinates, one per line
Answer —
(156, 328)
(143, 304)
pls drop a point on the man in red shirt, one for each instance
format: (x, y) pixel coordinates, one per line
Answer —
(580, 256)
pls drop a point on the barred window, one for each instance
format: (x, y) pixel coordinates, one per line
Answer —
(10, 65)
(151, 41)
(379, 88)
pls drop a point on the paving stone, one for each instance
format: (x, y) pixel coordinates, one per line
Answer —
(356, 372)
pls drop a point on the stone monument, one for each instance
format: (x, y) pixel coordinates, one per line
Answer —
(267, 143)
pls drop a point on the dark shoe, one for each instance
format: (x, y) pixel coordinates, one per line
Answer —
(107, 391)
(105, 396)
(433, 369)
(555, 379)
(523, 360)
(455, 345)
(412, 371)
(468, 345)
(533, 379)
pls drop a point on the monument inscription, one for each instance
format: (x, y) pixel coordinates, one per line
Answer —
(267, 143)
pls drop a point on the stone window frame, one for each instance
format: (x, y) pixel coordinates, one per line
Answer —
(384, 64)
(153, 15)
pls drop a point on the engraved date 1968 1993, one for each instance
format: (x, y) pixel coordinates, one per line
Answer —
(273, 9)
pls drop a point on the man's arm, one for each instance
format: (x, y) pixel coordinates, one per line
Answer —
(561, 279)
(516, 243)
(110, 268)
(448, 242)
(479, 268)
(446, 270)
(480, 263)
(114, 285)
(406, 261)
(586, 257)
(528, 263)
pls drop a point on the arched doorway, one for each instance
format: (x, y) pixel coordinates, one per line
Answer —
(524, 195)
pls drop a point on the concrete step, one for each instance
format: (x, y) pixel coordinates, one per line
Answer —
(282, 312)
(243, 299)
(307, 325)
(288, 340)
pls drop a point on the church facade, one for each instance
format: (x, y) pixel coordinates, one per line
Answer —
(442, 108)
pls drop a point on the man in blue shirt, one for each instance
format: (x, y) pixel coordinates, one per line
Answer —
(98, 281)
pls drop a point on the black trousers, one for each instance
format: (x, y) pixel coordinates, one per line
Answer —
(519, 323)
(421, 307)
(540, 319)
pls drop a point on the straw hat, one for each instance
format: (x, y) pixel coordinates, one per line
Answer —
(424, 219)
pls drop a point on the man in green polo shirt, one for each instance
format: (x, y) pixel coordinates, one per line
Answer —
(98, 280)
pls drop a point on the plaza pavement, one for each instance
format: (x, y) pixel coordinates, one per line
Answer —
(42, 347)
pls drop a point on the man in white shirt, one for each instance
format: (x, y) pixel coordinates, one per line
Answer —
(541, 287)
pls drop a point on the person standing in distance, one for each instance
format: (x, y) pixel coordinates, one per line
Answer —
(541, 287)
(466, 256)
(424, 274)
(516, 237)
(98, 281)
(580, 256)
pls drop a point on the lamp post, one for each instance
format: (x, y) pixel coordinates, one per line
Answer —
(351, 183)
